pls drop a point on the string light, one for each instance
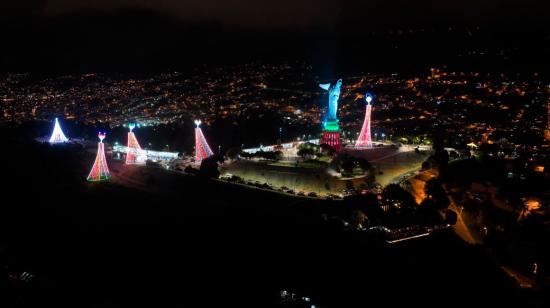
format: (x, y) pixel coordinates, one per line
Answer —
(100, 170)
(202, 149)
(57, 134)
(365, 140)
(134, 155)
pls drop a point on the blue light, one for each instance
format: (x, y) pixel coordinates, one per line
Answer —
(369, 98)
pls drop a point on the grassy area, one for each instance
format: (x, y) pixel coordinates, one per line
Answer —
(311, 164)
(315, 179)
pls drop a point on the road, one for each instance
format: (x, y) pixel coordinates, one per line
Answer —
(461, 229)
(522, 280)
(416, 188)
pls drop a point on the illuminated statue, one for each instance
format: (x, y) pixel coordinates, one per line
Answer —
(331, 127)
(333, 96)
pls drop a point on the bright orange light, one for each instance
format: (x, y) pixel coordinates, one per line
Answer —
(532, 204)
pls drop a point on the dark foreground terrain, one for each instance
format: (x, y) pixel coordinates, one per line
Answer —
(209, 244)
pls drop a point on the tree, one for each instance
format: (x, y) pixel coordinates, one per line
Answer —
(327, 149)
(278, 155)
(435, 191)
(364, 164)
(358, 220)
(450, 217)
(271, 155)
(306, 152)
(233, 153)
(309, 145)
(366, 204)
(426, 165)
(454, 154)
(397, 194)
(440, 157)
(370, 179)
(348, 163)
(190, 170)
(209, 167)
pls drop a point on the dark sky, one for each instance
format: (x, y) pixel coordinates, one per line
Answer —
(300, 13)
(114, 35)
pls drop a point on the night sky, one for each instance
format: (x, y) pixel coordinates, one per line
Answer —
(299, 13)
(115, 35)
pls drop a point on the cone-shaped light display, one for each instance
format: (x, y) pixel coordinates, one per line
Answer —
(100, 170)
(202, 150)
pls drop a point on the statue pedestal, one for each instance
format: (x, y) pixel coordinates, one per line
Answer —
(331, 135)
(332, 139)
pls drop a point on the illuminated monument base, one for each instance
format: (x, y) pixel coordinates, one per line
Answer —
(331, 135)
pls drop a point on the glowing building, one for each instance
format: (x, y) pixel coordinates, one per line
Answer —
(57, 134)
(156, 156)
(134, 155)
(331, 126)
(364, 140)
(100, 170)
(202, 150)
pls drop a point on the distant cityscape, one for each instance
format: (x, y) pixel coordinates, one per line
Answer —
(470, 106)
